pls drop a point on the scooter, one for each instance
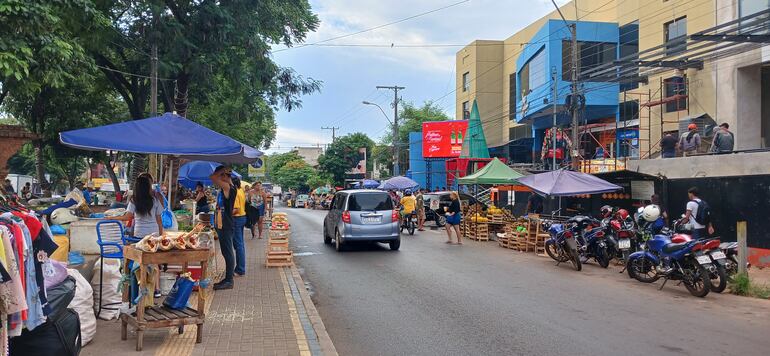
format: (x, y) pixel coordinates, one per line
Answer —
(561, 246)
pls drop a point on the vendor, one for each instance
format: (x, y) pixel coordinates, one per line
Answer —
(144, 208)
(201, 199)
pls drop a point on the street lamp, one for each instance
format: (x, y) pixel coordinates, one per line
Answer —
(395, 149)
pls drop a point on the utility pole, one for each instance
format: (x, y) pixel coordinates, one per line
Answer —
(574, 101)
(395, 89)
(334, 131)
(553, 129)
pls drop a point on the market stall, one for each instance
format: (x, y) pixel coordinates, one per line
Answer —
(479, 223)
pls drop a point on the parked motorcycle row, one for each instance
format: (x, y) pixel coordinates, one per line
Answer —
(648, 250)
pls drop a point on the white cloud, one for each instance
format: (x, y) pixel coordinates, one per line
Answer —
(288, 137)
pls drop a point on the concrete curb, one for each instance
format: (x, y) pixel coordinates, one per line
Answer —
(327, 347)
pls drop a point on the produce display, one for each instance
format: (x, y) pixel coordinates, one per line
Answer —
(280, 221)
(478, 218)
(172, 240)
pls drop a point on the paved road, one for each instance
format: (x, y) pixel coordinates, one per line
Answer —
(430, 298)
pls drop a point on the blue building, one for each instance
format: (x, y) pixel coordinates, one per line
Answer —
(543, 62)
(429, 173)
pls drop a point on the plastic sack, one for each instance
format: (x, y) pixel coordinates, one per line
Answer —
(58, 230)
(83, 304)
(111, 298)
(180, 293)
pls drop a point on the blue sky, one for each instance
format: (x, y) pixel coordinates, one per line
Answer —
(350, 74)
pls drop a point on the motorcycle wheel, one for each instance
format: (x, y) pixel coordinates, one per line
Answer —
(602, 257)
(410, 227)
(624, 256)
(553, 252)
(575, 259)
(733, 270)
(699, 283)
(718, 279)
(642, 270)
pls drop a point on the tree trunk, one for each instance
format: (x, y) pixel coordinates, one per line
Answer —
(40, 167)
(111, 172)
(180, 98)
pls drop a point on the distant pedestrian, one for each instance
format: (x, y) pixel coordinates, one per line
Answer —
(668, 146)
(690, 142)
(535, 204)
(453, 218)
(8, 187)
(420, 210)
(698, 214)
(724, 140)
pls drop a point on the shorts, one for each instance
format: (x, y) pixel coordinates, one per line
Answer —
(453, 219)
(404, 213)
(421, 214)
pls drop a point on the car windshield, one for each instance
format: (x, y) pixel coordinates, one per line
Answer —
(370, 202)
(427, 197)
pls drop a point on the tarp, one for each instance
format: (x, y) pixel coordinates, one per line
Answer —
(495, 172)
(474, 143)
(399, 183)
(169, 134)
(198, 171)
(563, 182)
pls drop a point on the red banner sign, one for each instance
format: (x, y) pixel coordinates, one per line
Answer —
(443, 139)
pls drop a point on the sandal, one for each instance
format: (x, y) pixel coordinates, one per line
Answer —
(448, 242)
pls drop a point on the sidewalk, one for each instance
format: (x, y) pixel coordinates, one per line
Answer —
(269, 312)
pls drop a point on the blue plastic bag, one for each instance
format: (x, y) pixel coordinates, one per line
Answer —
(58, 230)
(167, 216)
(180, 293)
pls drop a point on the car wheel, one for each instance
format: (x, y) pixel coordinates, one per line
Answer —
(395, 244)
(327, 238)
(338, 242)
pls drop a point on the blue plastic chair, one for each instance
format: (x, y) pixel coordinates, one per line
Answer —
(111, 239)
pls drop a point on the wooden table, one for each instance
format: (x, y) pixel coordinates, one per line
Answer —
(161, 316)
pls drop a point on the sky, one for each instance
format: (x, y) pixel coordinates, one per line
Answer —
(350, 74)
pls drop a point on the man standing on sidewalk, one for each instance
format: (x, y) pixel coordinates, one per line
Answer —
(224, 223)
(698, 214)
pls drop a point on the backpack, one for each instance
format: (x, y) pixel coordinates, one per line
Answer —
(703, 215)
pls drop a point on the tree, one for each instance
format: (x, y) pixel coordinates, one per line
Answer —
(342, 155)
(411, 118)
(294, 175)
(277, 160)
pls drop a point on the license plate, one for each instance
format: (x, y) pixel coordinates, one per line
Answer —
(624, 244)
(704, 260)
(718, 255)
(371, 220)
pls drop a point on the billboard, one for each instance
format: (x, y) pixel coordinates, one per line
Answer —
(257, 169)
(443, 139)
(360, 163)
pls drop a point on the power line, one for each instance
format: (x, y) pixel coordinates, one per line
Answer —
(334, 131)
(374, 28)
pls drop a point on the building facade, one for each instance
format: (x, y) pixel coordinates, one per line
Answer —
(646, 68)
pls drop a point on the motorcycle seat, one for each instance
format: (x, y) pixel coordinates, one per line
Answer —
(578, 219)
(673, 247)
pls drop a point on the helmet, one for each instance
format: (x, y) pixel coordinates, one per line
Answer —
(651, 212)
(408, 191)
(606, 211)
(692, 127)
(63, 216)
(623, 214)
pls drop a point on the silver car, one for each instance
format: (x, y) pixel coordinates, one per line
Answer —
(362, 215)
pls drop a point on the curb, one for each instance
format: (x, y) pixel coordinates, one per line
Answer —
(327, 347)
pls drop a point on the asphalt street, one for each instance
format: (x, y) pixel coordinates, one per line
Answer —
(431, 298)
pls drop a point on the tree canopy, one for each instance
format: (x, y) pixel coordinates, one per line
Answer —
(342, 155)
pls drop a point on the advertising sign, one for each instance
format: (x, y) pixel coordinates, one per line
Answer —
(443, 139)
(257, 169)
(360, 165)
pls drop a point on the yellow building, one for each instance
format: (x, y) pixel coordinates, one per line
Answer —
(686, 78)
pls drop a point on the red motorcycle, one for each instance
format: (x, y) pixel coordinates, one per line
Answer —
(621, 233)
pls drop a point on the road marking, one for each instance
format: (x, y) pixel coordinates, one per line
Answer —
(304, 348)
(307, 254)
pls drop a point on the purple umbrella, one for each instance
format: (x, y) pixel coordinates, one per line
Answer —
(563, 183)
(399, 183)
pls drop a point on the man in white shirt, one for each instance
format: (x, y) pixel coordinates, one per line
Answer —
(690, 216)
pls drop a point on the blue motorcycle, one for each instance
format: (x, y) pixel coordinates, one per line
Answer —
(592, 241)
(686, 262)
(562, 247)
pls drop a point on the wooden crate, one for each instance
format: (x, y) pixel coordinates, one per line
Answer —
(478, 231)
(279, 259)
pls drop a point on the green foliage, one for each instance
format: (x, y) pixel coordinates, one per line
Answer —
(342, 155)
(277, 160)
(742, 285)
(318, 180)
(294, 175)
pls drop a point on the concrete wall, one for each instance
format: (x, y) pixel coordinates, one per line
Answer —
(738, 164)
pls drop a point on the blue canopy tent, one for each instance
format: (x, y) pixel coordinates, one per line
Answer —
(198, 171)
(367, 184)
(168, 134)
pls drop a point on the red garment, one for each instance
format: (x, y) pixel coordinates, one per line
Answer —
(18, 236)
(33, 224)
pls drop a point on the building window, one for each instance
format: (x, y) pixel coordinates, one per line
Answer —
(519, 131)
(466, 82)
(675, 86)
(629, 49)
(750, 7)
(533, 75)
(590, 54)
(629, 110)
(676, 36)
(512, 96)
(466, 110)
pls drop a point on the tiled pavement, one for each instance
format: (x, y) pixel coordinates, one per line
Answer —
(267, 313)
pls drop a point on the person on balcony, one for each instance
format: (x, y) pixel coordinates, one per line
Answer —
(724, 140)
(668, 146)
(690, 142)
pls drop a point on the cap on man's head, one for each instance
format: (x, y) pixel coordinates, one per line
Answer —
(725, 125)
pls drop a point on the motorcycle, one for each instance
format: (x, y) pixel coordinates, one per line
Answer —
(687, 262)
(561, 246)
(730, 249)
(591, 239)
(718, 275)
(621, 236)
(409, 222)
